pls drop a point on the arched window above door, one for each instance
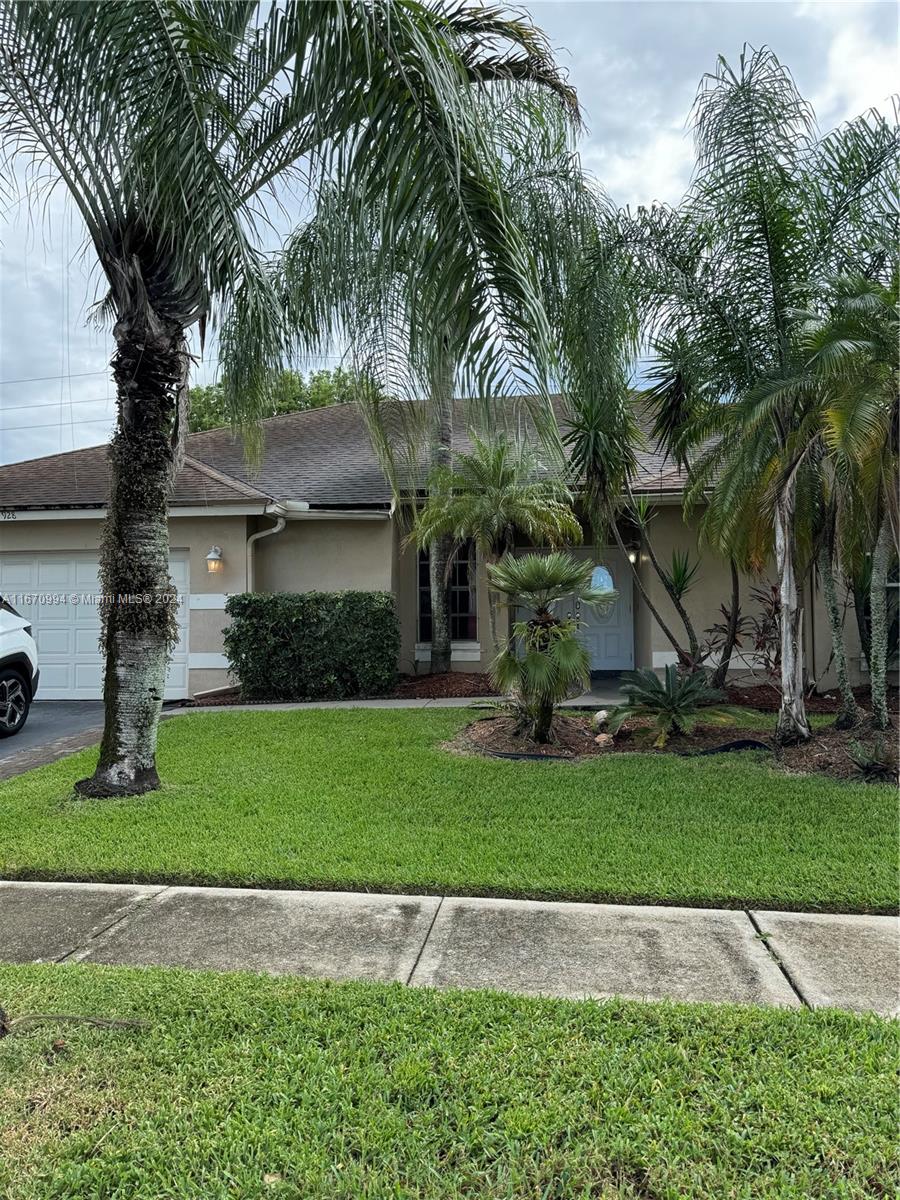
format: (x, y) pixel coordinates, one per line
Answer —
(601, 579)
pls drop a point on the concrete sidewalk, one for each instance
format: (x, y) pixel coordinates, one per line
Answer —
(578, 950)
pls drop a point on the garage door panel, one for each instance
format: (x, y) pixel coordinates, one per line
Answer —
(56, 641)
(86, 640)
(67, 633)
(52, 573)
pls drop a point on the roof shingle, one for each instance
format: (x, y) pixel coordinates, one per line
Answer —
(322, 456)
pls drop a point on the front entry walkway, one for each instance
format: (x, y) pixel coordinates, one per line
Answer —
(577, 950)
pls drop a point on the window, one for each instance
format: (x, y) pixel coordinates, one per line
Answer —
(463, 619)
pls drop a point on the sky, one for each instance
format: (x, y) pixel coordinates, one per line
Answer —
(635, 64)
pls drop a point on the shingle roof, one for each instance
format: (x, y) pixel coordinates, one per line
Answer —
(322, 456)
(80, 479)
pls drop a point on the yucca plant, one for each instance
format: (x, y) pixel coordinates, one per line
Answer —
(675, 703)
(545, 660)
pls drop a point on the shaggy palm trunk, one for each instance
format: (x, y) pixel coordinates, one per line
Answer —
(849, 714)
(440, 549)
(138, 607)
(720, 674)
(881, 562)
(792, 726)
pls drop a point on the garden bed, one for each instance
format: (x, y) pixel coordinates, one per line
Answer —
(766, 697)
(460, 685)
(826, 753)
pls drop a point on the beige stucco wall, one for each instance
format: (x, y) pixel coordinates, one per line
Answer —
(712, 588)
(326, 555)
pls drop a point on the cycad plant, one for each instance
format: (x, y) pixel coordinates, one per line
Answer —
(549, 661)
(493, 492)
(172, 125)
(675, 704)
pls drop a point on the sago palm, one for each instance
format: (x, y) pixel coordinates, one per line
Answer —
(172, 126)
(498, 489)
(540, 673)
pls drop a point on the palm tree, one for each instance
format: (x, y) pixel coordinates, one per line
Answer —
(423, 347)
(497, 489)
(170, 125)
(853, 362)
(552, 661)
(771, 209)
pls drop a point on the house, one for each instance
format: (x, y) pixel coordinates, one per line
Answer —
(316, 514)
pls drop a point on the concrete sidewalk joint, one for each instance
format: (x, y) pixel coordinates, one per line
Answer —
(521, 946)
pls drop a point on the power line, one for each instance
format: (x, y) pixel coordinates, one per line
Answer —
(110, 419)
(84, 374)
(5, 408)
(50, 378)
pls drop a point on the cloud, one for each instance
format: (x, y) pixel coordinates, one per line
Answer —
(636, 67)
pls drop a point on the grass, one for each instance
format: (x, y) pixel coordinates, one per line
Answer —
(254, 1087)
(369, 800)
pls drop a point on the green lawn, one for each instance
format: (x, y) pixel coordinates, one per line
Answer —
(248, 1087)
(368, 799)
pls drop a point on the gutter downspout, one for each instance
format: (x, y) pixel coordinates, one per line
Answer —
(281, 512)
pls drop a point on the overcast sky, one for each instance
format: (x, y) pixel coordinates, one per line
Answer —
(636, 65)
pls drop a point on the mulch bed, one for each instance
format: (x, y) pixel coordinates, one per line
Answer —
(766, 697)
(452, 685)
(826, 753)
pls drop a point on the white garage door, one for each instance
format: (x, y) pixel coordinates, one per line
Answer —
(53, 591)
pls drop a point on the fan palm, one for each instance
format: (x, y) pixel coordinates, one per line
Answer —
(771, 209)
(170, 125)
(496, 490)
(551, 660)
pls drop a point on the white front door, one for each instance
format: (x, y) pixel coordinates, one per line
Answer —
(56, 592)
(608, 636)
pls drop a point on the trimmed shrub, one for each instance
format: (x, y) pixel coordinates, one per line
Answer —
(312, 645)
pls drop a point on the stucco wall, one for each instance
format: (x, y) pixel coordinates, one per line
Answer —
(326, 555)
(712, 588)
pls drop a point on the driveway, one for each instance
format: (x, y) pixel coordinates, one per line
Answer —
(54, 728)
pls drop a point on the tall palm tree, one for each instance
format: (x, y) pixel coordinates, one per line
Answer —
(772, 208)
(423, 347)
(854, 363)
(171, 126)
(497, 489)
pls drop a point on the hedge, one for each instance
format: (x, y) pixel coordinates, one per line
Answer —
(312, 645)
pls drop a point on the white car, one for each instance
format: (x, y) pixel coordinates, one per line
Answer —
(19, 672)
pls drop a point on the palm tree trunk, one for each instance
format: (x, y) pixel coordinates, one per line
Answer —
(881, 561)
(720, 674)
(441, 549)
(139, 599)
(792, 725)
(849, 715)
